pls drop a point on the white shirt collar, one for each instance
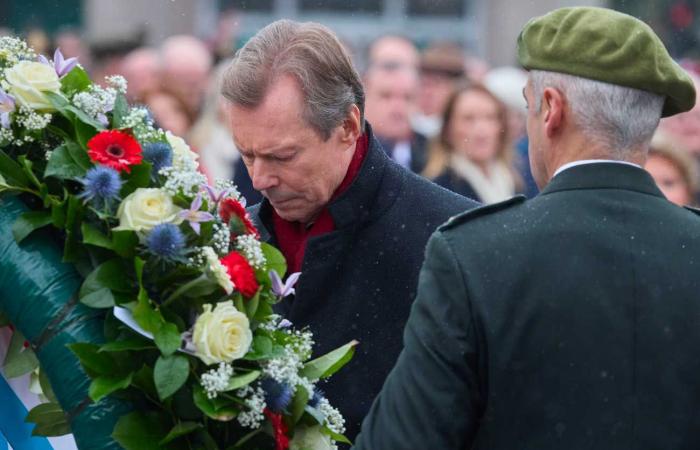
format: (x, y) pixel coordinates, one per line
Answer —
(591, 161)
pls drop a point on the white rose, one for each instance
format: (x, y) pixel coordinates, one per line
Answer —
(28, 80)
(182, 154)
(221, 335)
(145, 208)
(310, 438)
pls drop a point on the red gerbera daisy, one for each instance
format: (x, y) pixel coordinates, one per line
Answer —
(279, 428)
(234, 214)
(241, 273)
(115, 149)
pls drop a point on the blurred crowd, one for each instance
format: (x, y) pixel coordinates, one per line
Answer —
(437, 110)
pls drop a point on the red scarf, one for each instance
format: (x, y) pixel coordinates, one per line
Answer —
(293, 236)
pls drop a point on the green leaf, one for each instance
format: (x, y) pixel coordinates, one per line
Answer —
(139, 431)
(101, 298)
(140, 177)
(12, 171)
(50, 420)
(82, 116)
(46, 387)
(84, 132)
(218, 409)
(330, 363)
(301, 398)
(169, 374)
(19, 360)
(239, 381)
(251, 306)
(127, 345)
(143, 380)
(148, 318)
(67, 162)
(274, 259)
(77, 80)
(124, 243)
(120, 110)
(335, 436)
(180, 430)
(72, 248)
(167, 339)
(27, 167)
(93, 362)
(104, 385)
(28, 222)
(93, 236)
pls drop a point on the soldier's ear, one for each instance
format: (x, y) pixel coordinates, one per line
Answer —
(553, 104)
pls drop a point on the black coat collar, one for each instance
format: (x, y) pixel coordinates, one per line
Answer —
(603, 176)
(357, 204)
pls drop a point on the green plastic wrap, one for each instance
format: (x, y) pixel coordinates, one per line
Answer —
(38, 294)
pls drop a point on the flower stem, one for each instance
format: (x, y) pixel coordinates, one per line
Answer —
(184, 288)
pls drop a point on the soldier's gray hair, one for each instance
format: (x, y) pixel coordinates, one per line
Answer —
(314, 56)
(617, 118)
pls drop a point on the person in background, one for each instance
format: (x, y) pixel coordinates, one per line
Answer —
(72, 45)
(391, 93)
(141, 68)
(472, 155)
(346, 216)
(186, 64)
(169, 112)
(568, 321)
(507, 84)
(442, 67)
(685, 128)
(210, 136)
(674, 170)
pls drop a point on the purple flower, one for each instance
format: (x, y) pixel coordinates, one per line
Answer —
(194, 216)
(216, 196)
(280, 289)
(61, 65)
(102, 185)
(7, 105)
(166, 241)
(277, 395)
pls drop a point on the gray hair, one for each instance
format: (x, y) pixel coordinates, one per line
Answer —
(314, 56)
(620, 119)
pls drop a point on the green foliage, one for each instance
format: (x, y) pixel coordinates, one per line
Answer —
(77, 80)
(106, 285)
(28, 222)
(139, 431)
(94, 363)
(50, 420)
(169, 374)
(330, 363)
(19, 360)
(104, 385)
(67, 161)
(168, 338)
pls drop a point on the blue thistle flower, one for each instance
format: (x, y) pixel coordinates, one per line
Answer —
(159, 154)
(102, 185)
(166, 241)
(277, 395)
(316, 398)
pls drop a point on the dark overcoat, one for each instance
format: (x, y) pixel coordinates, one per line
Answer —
(358, 282)
(570, 321)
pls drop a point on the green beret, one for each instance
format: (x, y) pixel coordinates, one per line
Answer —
(606, 45)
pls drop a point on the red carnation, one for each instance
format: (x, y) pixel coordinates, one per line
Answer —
(279, 428)
(231, 209)
(241, 274)
(115, 149)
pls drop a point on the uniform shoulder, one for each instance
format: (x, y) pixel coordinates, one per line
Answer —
(480, 211)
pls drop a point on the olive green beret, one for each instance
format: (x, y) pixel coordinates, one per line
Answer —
(605, 45)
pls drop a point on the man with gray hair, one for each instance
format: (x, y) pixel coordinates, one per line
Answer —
(351, 220)
(569, 321)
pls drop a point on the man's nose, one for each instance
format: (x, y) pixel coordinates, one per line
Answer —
(263, 178)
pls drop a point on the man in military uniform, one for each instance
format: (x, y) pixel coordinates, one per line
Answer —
(569, 321)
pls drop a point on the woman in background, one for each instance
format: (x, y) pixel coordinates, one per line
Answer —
(472, 154)
(674, 170)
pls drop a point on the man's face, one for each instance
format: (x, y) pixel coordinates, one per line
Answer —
(286, 159)
(390, 97)
(536, 141)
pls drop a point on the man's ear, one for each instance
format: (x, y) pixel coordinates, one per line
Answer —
(351, 128)
(553, 104)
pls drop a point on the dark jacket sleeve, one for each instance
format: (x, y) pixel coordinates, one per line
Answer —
(431, 398)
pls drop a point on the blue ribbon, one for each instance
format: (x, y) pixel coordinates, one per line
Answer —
(12, 425)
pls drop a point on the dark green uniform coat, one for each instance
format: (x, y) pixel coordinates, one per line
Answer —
(570, 321)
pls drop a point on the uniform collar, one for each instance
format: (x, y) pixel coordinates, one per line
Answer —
(603, 175)
(591, 161)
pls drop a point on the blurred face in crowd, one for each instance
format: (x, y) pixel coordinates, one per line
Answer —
(390, 98)
(669, 179)
(288, 161)
(685, 128)
(434, 90)
(186, 66)
(141, 68)
(475, 128)
(169, 113)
